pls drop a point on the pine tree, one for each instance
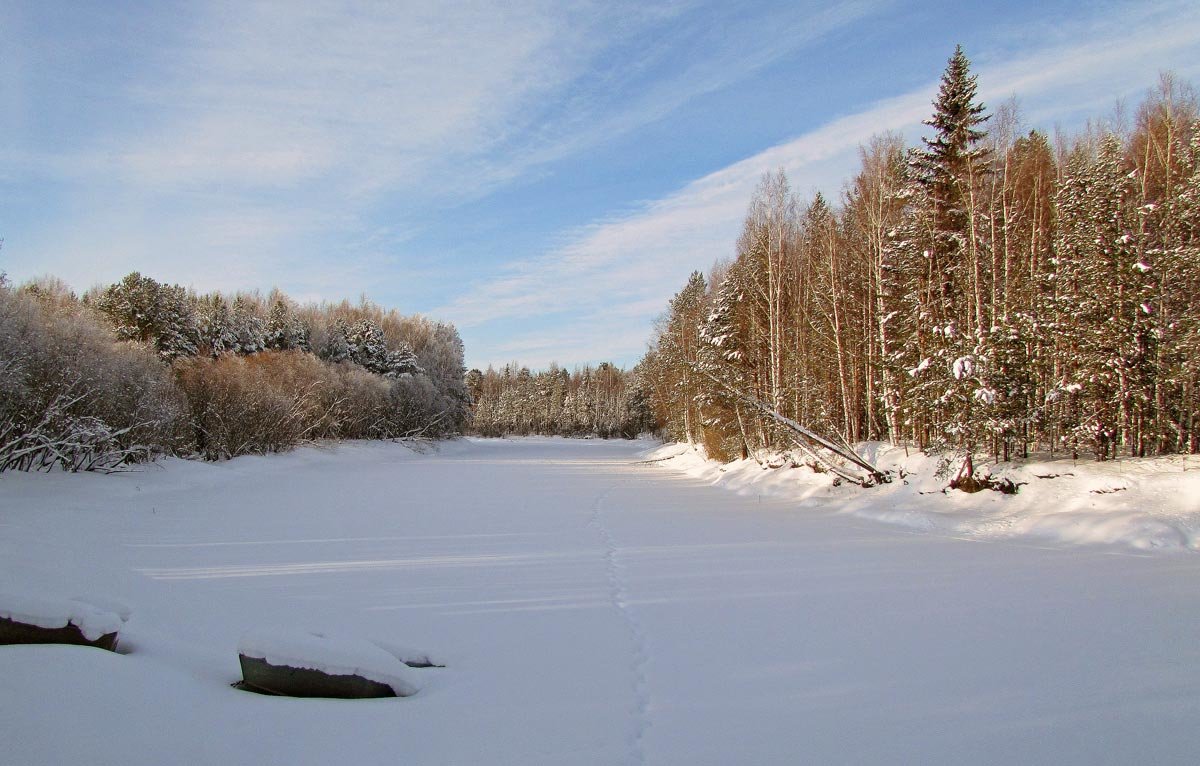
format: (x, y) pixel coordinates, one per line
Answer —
(280, 334)
(678, 346)
(368, 346)
(951, 168)
(1179, 314)
(159, 315)
(719, 362)
(175, 328)
(336, 347)
(248, 331)
(402, 362)
(216, 327)
(639, 407)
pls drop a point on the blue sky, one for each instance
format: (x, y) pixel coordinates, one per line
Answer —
(544, 175)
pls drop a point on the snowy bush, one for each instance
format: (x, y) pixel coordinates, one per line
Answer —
(73, 397)
(266, 403)
(274, 400)
(88, 383)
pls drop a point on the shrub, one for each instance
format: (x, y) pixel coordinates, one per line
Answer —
(75, 398)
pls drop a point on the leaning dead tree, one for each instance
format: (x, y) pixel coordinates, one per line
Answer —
(833, 457)
(839, 459)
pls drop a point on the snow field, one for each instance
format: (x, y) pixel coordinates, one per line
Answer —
(590, 609)
(1146, 504)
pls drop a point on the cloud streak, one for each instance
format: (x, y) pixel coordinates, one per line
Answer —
(641, 258)
(309, 118)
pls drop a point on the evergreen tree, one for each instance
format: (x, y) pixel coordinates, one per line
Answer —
(281, 327)
(249, 334)
(678, 347)
(301, 334)
(951, 168)
(367, 346)
(178, 329)
(158, 315)
(216, 326)
(719, 363)
(336, 347)
(402, 362)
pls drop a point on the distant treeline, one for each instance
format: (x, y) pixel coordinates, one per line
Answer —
(600, 401)
(141, 368)
(993, 291)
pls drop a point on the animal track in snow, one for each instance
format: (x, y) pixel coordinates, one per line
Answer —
(619, 597)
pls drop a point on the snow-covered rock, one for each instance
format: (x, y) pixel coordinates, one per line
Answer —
(41, 619)
(326, 655)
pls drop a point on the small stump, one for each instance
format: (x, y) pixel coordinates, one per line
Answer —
(283, 680)
(300, 664)
(28, 619)
(15, 632)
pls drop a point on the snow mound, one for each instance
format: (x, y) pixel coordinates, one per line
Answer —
(332, 655)
(1147, 504)
(107, 604)
(52, 613)
(414, 658)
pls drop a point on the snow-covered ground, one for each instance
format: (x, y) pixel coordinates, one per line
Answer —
(591, 608)
(1146, 504)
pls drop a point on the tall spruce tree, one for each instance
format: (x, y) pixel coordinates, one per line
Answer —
(722, 376)
(678, 347)
(950, 168)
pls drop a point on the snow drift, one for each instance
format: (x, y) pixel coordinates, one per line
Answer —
(1145, 503)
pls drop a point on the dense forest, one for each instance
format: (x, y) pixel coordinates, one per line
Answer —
(141, 368)
(993, 291)
(601, 401)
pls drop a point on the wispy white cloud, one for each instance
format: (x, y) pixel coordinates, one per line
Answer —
(641, 258)
(268, 123)
(271, 132)
(1089, 65)
(277, 94)
(266, 94)
(743, 44)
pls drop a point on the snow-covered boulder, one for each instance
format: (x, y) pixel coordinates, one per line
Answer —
(300, 664)
(28, 619)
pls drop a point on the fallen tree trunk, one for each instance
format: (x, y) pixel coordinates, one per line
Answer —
(810, 442)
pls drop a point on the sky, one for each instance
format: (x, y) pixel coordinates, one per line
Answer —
(543, 175)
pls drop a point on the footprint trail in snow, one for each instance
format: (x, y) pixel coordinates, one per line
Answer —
(619, 596)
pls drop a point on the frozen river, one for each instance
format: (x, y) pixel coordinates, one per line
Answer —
(591, 608)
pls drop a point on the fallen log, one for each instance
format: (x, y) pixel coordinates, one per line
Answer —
(810, 442)
(37, 620)
(300, 664)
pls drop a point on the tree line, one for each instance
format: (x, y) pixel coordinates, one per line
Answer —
(142, 368)
(992, 291)
(603, 401)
